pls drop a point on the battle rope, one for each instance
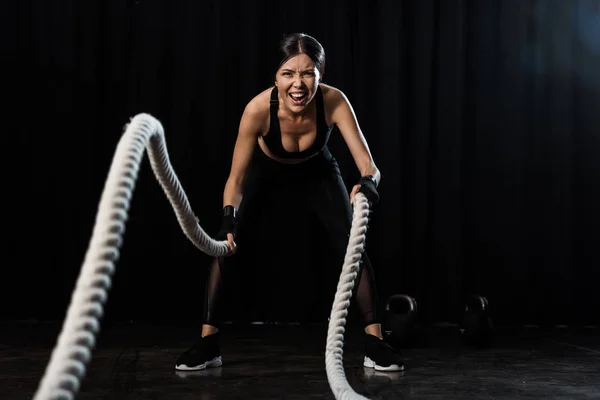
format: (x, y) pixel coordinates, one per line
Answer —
(73, 350)
(334, 364)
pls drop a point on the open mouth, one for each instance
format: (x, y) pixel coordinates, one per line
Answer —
(298, 98)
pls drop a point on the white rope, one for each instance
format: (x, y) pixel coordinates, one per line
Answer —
(73, 350)
(334, 363)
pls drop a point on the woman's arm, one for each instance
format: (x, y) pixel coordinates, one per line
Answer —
(343, 116)
(249, 129)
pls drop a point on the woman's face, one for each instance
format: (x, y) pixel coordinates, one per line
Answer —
(297, 80)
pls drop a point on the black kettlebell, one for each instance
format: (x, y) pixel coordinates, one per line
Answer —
(401, 314)
(477, 328)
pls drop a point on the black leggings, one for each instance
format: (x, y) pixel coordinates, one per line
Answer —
(317, 183)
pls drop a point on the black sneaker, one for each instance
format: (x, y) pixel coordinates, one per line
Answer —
(381, 356)
(206, 353)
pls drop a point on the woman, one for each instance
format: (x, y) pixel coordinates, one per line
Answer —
(281, 151)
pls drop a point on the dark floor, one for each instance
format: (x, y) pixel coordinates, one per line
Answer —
(283, 362)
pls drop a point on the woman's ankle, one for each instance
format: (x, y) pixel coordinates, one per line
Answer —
(374, 329)
(209, 330)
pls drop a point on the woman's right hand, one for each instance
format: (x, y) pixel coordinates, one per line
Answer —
(231, 244)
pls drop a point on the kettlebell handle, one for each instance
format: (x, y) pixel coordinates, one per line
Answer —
(409, 299)
(482, 300)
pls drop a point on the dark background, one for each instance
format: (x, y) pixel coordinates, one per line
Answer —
(483, 116)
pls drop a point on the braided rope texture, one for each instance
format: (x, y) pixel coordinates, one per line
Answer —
(73, 350)
(334, 359)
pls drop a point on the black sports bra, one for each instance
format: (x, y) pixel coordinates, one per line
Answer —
(273, 138)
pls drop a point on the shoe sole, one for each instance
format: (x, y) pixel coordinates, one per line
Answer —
(214, 363)
(372, 364)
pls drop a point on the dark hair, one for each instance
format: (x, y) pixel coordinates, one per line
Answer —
(300, 43)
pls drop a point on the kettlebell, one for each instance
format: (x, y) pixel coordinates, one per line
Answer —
(401, 314)
(477, 328)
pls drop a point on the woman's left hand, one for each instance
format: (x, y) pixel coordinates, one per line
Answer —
(369, 190)
(355, 190)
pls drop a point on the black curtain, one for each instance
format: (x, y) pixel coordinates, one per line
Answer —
(483, 116)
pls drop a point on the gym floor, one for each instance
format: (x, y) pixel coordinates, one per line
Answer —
(287, 362)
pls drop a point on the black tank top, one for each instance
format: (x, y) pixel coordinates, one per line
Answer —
(273, 137)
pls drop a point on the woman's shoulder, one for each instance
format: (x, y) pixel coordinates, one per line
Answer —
(331, 94)
(258, 106)
(256, 114)
(333, 99)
